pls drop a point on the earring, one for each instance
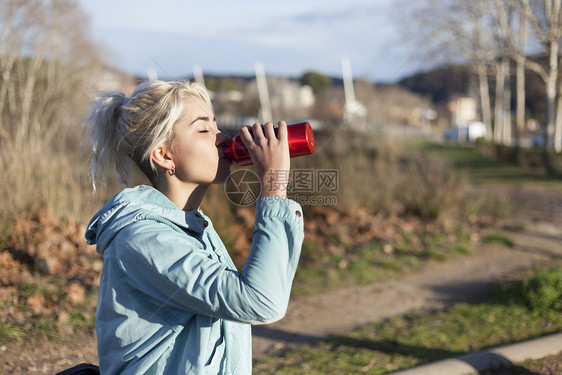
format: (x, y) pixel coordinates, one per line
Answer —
(172, 171)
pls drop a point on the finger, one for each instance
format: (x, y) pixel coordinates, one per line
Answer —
(245, 135)
(269, 131)
(282, 129)
(257, 130)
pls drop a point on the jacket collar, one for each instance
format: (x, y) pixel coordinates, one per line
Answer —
(140, 203)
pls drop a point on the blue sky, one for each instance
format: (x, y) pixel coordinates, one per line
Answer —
(229, 37)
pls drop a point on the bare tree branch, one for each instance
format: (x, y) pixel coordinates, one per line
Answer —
(46, 60)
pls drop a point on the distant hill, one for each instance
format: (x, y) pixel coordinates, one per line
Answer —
(439, 84)
(446, 82)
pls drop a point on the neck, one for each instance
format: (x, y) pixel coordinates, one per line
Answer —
(185, 196)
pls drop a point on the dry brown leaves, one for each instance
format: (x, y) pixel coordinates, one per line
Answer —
(46, 266)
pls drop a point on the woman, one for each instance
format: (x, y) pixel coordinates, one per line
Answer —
(171, 301)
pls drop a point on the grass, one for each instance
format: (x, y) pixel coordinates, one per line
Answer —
(483, 169)
(548, 365)
(8, 332)
(499, 238)
(411, 340)
(377, 260)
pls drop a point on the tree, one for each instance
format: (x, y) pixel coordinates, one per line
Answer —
(46, 69)
(317, 81)
(46, 60)
(545, 18)
(520, 45)
(512, 33)
(502, 117)
(461, 27)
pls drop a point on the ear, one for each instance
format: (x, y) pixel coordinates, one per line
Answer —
(162, 156)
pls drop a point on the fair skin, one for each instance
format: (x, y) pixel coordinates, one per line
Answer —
(197, 158)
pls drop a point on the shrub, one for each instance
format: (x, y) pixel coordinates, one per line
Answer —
(429, 187)
(540, 292)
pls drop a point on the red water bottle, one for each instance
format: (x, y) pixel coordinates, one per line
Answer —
(300, 137)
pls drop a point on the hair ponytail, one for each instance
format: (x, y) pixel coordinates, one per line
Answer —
(104, 129)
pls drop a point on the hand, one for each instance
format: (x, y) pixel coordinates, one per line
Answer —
(270, 154)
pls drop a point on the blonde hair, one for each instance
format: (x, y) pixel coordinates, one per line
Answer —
(125, 130)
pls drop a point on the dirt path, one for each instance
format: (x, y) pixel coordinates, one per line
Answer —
(314, 317)
(439, 284)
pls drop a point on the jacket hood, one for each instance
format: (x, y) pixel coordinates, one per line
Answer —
(139, 203)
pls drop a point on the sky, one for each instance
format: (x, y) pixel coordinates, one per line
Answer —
(222, 37)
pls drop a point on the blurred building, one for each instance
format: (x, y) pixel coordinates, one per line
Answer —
(110, 79)
(289, 101)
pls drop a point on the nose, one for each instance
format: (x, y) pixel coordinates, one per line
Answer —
(222, 139)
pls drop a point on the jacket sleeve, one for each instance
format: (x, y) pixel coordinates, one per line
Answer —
(176, 270)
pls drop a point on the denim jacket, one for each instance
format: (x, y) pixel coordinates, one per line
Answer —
(170, 300)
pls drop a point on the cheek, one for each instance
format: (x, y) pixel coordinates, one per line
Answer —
(199, 155)
(191, 152)
(206, 155)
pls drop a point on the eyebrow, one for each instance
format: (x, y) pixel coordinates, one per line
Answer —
(203, 118)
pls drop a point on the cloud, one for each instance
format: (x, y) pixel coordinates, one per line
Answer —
(289, 37)
(333, 26)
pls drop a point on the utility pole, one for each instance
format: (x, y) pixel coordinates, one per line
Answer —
(265, 105)
(354, 111)
(198, 75)
(152, 75)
